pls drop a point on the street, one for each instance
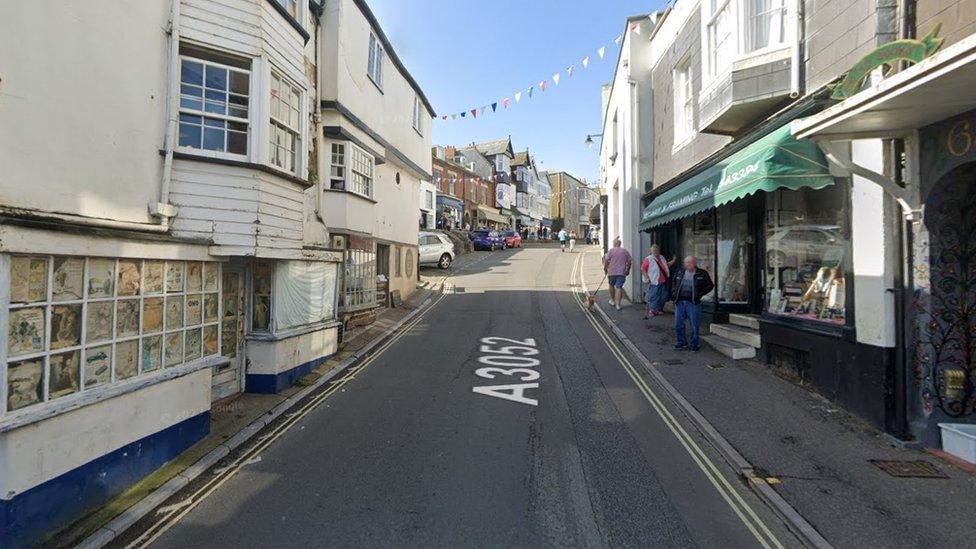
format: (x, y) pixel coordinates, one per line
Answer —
(517, 425)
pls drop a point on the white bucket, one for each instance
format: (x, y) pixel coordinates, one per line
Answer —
(959, 439)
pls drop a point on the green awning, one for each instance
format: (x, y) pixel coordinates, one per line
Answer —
(775, 161)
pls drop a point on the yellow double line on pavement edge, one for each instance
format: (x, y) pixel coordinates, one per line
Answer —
(291, 418)
(742, 509)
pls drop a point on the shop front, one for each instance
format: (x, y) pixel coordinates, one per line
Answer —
(450, 212)
(926, 114)
(490, 218)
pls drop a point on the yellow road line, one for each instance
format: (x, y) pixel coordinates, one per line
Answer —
(739, 506)
(167, 522)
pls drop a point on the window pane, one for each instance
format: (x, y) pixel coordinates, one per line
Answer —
(190, 135)
(239, 83)
(191, 97)
(237, 142)
(216, 78)
(65, 374)
(152, 353)
(25, 383)
(98, 366)
(174, 349)
(192, 73)
(213, 140)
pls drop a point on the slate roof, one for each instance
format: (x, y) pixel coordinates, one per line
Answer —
(492, 148)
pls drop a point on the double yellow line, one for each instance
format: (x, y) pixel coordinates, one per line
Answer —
(180, 510)
(725, 489)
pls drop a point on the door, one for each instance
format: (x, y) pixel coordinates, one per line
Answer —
(228, 379)
(734, 250)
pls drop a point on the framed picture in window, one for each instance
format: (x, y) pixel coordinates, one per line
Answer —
(98, 366)
(194, 276)
(28, 279)
(174, 276)
(194, 309)
(210, 340)
(98, 324)
(65, 326)
(129, 277)
(126, 359)
(211, 276)
(68, 280)
(152, 315)
(152, 353)
(65, 374)
(101, 277)
(210, 308)
(154, 277)
(25, 331)
(25, 383)
(194, 339)
(174, 312)
(174, 349)
(127, 318)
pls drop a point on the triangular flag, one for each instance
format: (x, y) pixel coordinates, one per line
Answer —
(555, 78)
(494, 107)
(444, 117)
(518, 96)
(474, 113)
(462, 114)
(602, 51)
(542, 85)
(635, 27)
(483, 109)
(453, 117)
(530, 92)
(585, 61)
(569, 70)
(505, 103)
(618, 39)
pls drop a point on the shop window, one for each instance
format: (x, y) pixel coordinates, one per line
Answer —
(733, 244)
(76, 323)
(304, 293)
(261, 302)
(698, 239)
(807, 243)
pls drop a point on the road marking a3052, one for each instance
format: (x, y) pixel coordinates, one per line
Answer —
(510, 359)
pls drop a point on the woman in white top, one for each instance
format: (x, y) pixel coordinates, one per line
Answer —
(655, 272)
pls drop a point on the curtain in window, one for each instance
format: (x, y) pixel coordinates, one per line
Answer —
(304, 293)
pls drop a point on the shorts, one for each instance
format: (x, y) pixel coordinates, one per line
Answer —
(617, 281)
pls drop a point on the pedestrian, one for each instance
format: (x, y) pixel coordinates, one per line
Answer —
(616, 264)
(688, 286)
(562, 240)
(572, 240)
(589, 237)
(656, 272)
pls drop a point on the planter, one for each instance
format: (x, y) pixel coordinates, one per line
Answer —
(959, 439)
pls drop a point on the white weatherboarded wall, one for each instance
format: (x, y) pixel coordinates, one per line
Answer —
(65, 85)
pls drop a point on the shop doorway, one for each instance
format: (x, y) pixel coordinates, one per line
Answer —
(228, 379)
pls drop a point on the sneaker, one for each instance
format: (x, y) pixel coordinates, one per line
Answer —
(612, 304)
(617, 306)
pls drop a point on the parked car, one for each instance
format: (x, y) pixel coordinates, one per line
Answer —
(799, 244)
(487, 240)
(435, 249)
(512, 239)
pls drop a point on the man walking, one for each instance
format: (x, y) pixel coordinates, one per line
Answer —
(562, 240)
(688, 286)
(655, 272)
(617, 263)
(572, 240)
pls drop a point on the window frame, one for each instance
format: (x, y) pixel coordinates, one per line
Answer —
(275, 123)
(374, 64)
(751, 17)
(204, 114)
(95, 392)
(352, 184)
(684, 102)
(417, 120)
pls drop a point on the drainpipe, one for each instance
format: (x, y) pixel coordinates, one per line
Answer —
(796, 69)
(163, 209)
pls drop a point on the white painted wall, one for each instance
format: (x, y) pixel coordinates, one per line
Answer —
(875, 256)
(274, 357)
(82, 103)
(46, 449)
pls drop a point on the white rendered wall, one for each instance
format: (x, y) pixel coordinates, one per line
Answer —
(274, 357)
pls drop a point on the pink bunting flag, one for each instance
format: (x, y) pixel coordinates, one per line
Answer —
(542, 85)
(505, 103)
(635, 27)
(474, 113)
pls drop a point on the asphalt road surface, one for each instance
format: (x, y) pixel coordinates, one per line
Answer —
(502, 418)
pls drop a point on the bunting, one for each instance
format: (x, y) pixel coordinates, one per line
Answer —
(584, 62)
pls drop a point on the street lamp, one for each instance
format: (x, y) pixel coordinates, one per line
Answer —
(589, 139)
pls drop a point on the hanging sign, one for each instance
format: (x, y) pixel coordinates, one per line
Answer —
(899, 50)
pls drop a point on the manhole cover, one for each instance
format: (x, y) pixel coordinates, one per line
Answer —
(673, 361)
(908, 469)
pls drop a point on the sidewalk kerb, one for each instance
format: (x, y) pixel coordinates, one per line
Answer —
(147, 504)
(800, 526)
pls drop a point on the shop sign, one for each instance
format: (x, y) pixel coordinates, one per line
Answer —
(945, 146)
(899, 50)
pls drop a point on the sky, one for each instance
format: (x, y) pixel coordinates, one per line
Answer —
(469, 53)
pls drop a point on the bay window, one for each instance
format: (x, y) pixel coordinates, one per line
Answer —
(765, 24)
(286, 123)
(214, 102)
(721, 47)
(351, 169)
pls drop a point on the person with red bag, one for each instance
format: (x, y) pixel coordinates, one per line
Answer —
(655, 271)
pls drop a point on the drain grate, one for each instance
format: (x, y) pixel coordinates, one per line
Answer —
(673, 361)
(908, 469)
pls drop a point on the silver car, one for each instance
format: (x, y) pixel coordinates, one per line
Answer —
(435, 249)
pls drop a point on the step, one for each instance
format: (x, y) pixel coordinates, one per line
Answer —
(746, 321)
(742, 335)
(729, 348)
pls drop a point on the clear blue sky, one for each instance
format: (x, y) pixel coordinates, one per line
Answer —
(468, 53)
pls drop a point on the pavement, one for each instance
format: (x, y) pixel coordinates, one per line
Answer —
(502, 415)
(818, 453)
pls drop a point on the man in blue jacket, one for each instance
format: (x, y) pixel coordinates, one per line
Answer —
(688, 286)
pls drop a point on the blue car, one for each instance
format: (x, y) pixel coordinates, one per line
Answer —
(487, 240)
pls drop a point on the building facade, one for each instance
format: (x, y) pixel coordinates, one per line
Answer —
(168, 249)
(807, 240)
(376, 124)
(567, 209)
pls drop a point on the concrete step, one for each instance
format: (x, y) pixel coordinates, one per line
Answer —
(742, 335)
(746, 321)
(729, 348)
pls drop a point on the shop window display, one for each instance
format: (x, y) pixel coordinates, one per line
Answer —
(698, 239)
(807, 243)
(733, 243)
(77, 323)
